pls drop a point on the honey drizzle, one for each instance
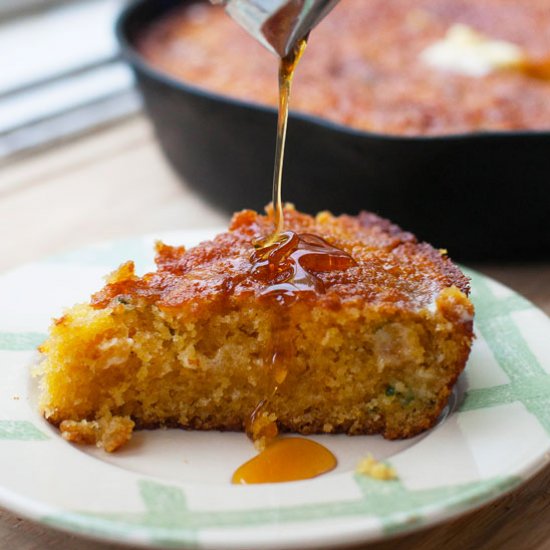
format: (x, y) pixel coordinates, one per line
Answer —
(288, 266)
(287, 67)
(287, 263)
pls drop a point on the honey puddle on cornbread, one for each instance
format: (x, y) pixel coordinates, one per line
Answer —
(286, 262)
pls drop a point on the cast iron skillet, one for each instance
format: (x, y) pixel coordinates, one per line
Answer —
(483, 196)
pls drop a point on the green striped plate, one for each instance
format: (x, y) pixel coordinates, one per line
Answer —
(170, 488)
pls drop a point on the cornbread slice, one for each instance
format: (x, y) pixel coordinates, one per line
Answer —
(191, 345)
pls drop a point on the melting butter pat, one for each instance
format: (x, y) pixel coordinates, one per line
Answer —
(371, 467)
(466, 51)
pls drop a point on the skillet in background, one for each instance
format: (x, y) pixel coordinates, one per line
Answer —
(482, 196)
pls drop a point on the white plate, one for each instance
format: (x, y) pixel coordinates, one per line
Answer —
(171, 488)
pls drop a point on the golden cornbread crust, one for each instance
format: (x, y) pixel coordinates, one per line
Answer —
(190, 344)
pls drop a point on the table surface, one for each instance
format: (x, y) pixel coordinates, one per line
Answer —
(115, 183)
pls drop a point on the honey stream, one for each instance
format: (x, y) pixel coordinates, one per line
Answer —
(286, 74)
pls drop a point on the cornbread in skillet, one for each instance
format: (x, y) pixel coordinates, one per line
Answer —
(364, 66)
(377, 351)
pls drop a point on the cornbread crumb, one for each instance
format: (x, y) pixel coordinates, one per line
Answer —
(109, 433)
(82, 432)
(371, 467)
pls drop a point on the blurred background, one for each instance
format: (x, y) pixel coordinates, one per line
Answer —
(467, 143)
(60, 72)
